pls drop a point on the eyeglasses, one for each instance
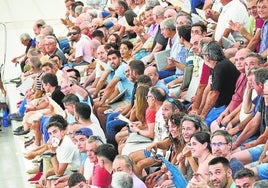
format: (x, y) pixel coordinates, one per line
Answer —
(96, 138)
(72, 33)
(219, 144)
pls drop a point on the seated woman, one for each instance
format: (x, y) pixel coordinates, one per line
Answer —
(199, 151)
(114, 125)
(190, 124)
(172, 145)
(143, 134)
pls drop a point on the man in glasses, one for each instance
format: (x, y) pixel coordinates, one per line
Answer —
(81, 47)
(221, 145)
(52, 49)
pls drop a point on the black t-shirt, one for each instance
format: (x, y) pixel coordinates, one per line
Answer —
(224, 77)
(264, 117)
(57, 96)
(159, 38)
(61, 55)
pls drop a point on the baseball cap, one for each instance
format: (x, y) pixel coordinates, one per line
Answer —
(84, 131)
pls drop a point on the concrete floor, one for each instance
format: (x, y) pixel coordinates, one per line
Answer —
(10, 161)
(13, 165)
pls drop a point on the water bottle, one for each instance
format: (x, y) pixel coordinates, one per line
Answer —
(5, 117)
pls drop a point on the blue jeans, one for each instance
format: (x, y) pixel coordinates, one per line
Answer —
(213, 114)
(170, 78)
(166, 73)
(113, 126)
(22, 107)
(43, 127)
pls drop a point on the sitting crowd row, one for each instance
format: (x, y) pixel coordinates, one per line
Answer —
(145, 89)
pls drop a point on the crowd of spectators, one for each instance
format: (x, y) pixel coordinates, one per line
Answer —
(145, 93)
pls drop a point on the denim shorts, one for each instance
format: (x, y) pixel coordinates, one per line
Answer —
(255, 152)
(262, 170)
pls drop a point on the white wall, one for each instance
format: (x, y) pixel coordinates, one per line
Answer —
(18, 16)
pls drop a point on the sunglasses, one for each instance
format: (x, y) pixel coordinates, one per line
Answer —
(96, 138)
(72, 33)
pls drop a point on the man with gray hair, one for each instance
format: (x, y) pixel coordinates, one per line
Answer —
(122, 180)
(168, 30)
(29, 43)
(224, 77)
(52, 49)
(160, 41)
(261, 184)
(122, 163)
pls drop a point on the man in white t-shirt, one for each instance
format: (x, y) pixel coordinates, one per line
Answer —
(82, 114)
(64, 153)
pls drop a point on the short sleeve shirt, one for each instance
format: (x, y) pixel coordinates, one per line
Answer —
(224, 77)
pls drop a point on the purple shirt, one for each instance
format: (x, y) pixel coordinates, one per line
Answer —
(153, 29)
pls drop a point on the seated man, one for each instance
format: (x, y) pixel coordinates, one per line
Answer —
(223, 81)
(184, 35)
(80, 139)
(99, 70)
(219, 149)
(64, 153)
(82, 115)
(238, 118)
(123, 163)
(77, 179)
(82, 49)
(239, 88)
(29, 43)
(257, 126)
(244, 177)
(106, 154)
(159, 42)
(120, 81)
(52, 49)
(216, 165)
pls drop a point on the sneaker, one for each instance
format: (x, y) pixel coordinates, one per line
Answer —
(18, 129)
(28, 142)
(36, 177)
(22, 132)
(16, 117)
(34, 170)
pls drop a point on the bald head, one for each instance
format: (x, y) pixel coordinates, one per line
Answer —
(170, 13)
(158, 13)
(152, 72)
(102, 53)
(239, 59)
